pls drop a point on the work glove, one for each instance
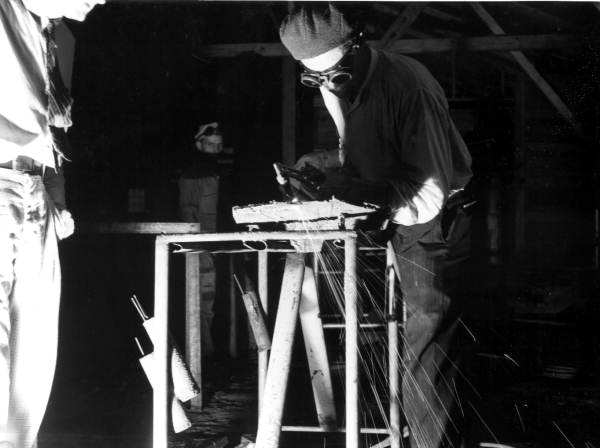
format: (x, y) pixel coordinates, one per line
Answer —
(304, 186)
(340, 184)
(312, 166)
(320, 159)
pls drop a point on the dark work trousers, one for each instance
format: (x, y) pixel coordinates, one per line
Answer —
(429, 258)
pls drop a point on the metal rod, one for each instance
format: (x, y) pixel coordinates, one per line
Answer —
(271, 412)
(333, 326)
(393, 351)
(161, 345)
(139, 346)
(293, 428)
(138, 307)
(239, 285)
(350, 295)
(263, 294)
(255, 236)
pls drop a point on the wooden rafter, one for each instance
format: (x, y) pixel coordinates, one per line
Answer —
(533, 13)
(400, 25)
(429, 10)
(441, 15)
(531, 71)
(413, 46)
(495, 43)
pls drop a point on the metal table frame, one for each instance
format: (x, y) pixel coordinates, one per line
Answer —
(161, 315)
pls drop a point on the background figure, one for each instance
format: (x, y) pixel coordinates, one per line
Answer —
(198, 202)
(33, 212)
(401, 151)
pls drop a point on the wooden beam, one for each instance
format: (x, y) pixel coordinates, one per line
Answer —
(531, 12)
(488, 43)
(518, 190)
(288, 111)
(441, 15)
(150, 228)
(430, 11)
(413, 46)
(400, 25)
(271, 49)
(531, 71)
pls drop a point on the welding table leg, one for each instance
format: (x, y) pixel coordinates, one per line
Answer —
(160, 402)
(271, 411)
(393, 350)
(263, 294)
(193, 323)
(350, 295)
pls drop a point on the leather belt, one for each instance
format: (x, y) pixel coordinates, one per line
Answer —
(24, 164)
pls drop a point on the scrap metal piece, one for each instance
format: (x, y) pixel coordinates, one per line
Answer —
(308, 215)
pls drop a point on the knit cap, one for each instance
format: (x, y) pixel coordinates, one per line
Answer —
(314, 29)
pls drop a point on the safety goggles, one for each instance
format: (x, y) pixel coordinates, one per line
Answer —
(338, 74)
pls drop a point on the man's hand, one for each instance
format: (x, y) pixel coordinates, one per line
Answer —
(320, 159)
(63, 223)
(337, 183)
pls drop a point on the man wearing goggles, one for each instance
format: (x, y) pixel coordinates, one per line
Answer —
(400, 150)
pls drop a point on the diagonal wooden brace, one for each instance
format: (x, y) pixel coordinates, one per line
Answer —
(316, 353)
(273, 399)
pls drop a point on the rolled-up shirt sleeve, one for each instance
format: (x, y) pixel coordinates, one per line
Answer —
(424, 150)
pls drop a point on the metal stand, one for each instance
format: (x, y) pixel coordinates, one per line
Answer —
(272, 379)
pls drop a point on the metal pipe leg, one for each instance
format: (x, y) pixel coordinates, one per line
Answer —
(269, 423)
(350, 295)
(161, 345)
(263, 293)
(393, 350)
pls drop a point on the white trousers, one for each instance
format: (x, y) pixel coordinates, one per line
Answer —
(29, 304)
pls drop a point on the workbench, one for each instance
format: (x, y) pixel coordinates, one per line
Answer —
(166, 244)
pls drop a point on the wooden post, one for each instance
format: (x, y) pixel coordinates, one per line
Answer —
(316, 352)
(193, 322)
(269, 423)
(521, 166)
(288, 110)
(393, 350)
(263, 295)
(161, 345)
(232, 311)
(350, 295)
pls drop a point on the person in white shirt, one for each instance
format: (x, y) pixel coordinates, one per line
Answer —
(33, 213)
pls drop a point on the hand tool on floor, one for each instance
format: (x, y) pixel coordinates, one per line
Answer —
(255, 317)
(179, 419)
(184, 386)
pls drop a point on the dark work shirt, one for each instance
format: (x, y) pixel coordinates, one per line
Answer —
(399, 131)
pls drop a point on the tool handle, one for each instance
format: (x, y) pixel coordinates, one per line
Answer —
(138, 307)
